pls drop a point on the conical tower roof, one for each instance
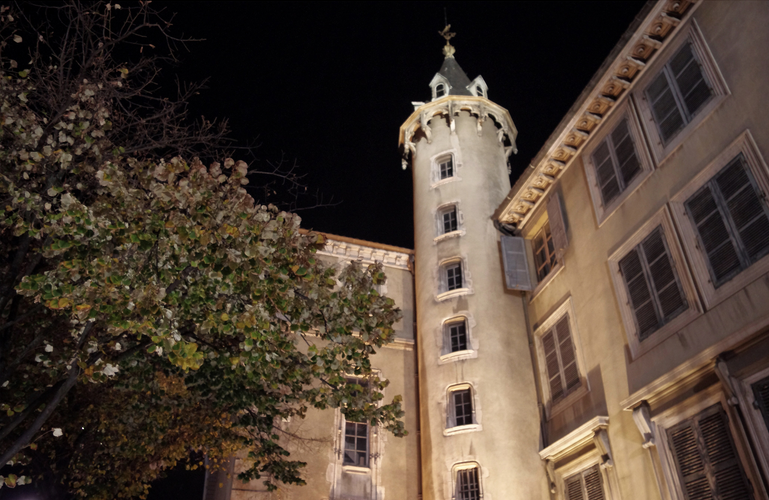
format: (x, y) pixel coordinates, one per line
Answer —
(458, 80)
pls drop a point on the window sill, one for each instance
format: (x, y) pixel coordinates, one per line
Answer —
(550, 276)
(452, 234)
(457, 356)
(353, 469)
(462, 429)
(453, 294)
(447, 180)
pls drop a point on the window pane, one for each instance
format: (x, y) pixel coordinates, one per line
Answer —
(356, 444)
(450, 220)
(463, 407)
(447, 167)
(454, 276)
(458, 334)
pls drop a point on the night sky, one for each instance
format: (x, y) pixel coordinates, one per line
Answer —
(328, 85)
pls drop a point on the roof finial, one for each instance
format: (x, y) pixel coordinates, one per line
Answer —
(448, 49)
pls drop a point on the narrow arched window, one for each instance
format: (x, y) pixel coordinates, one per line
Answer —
(479, 91)
(440, 90)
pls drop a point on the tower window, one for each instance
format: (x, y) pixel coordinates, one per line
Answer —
(446, 166)
(468, 486)
(460, 406)
(453, 276)
(440, 90)
(456, 333)
(356, 444)
(479, 91)
(449, 219)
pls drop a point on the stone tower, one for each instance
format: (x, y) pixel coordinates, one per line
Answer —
(480, 425)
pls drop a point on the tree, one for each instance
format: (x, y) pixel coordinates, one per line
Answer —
(151, 307)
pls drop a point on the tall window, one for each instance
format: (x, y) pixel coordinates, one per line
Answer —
(440, 90)
(356, 444)
(560, 360)
(732, 221)
(479, 91)
(653, 286)
(449, 219)
(468, 485)
(585, 485)
(616, 163)
(706, 460)
(446, 167)
(544, 252)
(677, 93)
(461, 407)
(453, 276)
(456, 333)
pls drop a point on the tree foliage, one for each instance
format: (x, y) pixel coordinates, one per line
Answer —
(149, 306)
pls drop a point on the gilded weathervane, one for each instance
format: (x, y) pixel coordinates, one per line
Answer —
(448, 49)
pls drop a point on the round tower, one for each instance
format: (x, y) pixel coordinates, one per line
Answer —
(480, 427)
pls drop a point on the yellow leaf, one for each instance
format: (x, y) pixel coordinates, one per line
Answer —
(225, 316)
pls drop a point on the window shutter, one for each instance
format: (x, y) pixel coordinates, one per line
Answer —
(625, 153)
(714, 236)
(730, 480)
(552, 366)
(605, 173)
(593, 485)
(574, 488)
(692, 86)
(746, 209)
(516, 264)
(667, 289)
(663, 104)
(761, 395)
(691, 466)
(568, 357)
(639, 294)
(557, 225)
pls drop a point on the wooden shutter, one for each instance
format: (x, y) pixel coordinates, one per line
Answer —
(574, 488)
(568, 356)
(516, 264)
(587, 485)
(662, 101)
(552, 366)
(560, 360)
(692, 86)
(761, 398)
(625, 154)
(557, 224)
(606, 173)
(639, 294)
(664, 280)
(706, 459)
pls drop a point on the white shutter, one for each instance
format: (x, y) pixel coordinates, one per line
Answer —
(516, 264)
(557, 226)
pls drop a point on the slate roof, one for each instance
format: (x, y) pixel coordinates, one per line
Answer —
(456, 77)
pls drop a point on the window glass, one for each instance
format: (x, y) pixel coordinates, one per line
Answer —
(457, 333)
(440, 90)
(446, 166)
(454, 276)
(356, 444)
(449, 219)
(731, 220)
(462, 404)
(468, 486)
(652, 283)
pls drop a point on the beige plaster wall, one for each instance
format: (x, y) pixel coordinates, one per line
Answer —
(737, 37)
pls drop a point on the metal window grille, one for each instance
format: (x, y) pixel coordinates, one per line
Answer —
(356, 444)
(616, 163)
(454, 276)
(458, 336)
(450, 220)
(732, 221)
(544, 252)
(463, 407)
(468, 486)
(651, 280)
(446, 167)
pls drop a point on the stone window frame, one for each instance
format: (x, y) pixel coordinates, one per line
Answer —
(712, 74)
(458, 232)
(441, 279)
(435, 172)
(551, 409)
(443, 340)
(712, 296)
(755, 424)
(450, 428)
(691, 407)
(468, 465)
(375, 442)
(637, 347)
(628, 112)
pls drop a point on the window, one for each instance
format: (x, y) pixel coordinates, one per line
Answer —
(585, 485)
(462, 407)
(731, 220)
(559, 359)
(616, 163)
(453, 276)
(446, 167)
(679, 91)
(449, 219)
(456, 334)
(544, 252)
(761, 398)
(479, 91)
(724, 221)
(440, 90)
(356, 444)
(467, 483)
(652, 284)
(705, 457)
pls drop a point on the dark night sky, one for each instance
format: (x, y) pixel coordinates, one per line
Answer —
(328, 85)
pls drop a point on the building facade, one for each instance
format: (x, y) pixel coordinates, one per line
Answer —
(599, 330)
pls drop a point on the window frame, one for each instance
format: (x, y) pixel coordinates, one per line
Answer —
(638, 347)
(627, 112)
(551, 408)
(443, 337)
(755, 424)
(684, 411)
(712, 296)
(375, 445)
(451, 427)
(442, 289)
(439, 224)
(461, 466)
(712, 75)
(435, 168)
(551, 258)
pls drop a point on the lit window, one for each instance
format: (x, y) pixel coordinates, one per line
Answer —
(731, 220)
(585, 485)
(468, 485)
(544, 252)
(453, 276)
(456, 335)
(652, 283)
(446, 167)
